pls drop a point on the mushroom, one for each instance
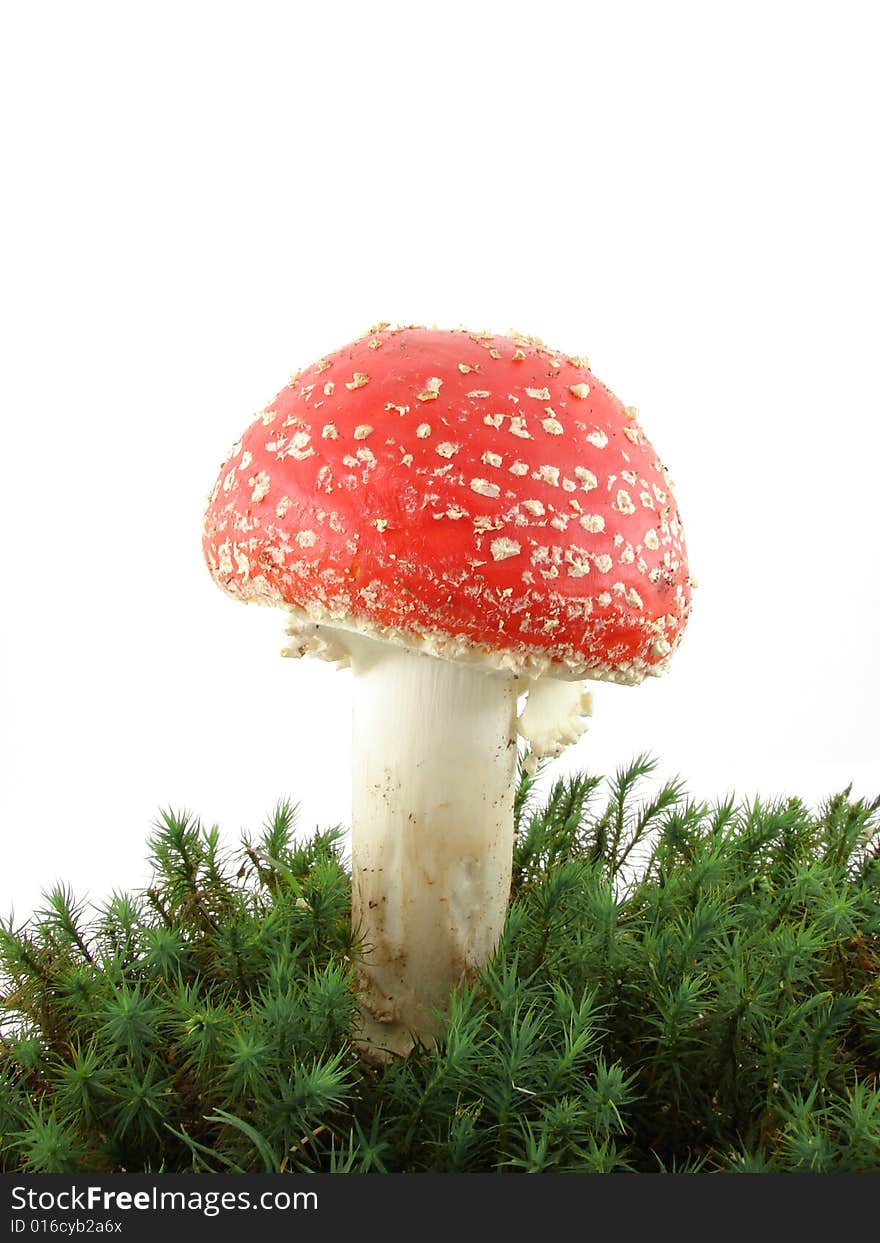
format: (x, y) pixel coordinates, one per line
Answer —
(462, 519)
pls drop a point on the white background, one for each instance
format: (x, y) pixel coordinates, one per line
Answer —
(200, 198)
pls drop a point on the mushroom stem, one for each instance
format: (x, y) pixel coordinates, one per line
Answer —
(434, 759)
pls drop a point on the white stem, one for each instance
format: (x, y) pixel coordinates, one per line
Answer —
(434, 759)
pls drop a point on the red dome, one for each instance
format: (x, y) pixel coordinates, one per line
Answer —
(473, 492)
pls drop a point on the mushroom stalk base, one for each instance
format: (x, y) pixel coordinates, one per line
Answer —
(434, 760)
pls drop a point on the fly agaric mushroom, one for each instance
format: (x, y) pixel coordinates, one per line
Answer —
(461, 518)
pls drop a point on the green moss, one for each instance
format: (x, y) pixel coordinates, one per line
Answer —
(679, 987)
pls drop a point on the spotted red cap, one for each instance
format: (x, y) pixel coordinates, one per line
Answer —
(464, 494)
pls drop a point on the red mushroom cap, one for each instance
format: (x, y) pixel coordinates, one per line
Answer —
(464, 494)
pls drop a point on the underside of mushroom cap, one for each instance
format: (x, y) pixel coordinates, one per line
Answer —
(470, 496)
(314, 632)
